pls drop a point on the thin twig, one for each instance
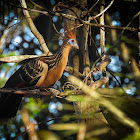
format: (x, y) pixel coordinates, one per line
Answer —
(139, 41)
(87, 31)
(117, 82)
(36, 5)
(103, 10)
(70, 17)
(112, 27)
(131, 21)
(47, 12)
(60, 34)
(93, 6)
(116, 42)
(13, 138)
(100, 56)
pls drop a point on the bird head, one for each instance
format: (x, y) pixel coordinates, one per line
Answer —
(71, 39)
(72, 42)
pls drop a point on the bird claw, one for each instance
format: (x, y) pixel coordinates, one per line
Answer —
(54, 92)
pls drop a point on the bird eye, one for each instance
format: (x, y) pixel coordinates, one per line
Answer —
(72, 41)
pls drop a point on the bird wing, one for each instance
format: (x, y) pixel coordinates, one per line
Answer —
(30, 74)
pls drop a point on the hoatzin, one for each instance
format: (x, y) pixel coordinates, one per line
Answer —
(42, 71)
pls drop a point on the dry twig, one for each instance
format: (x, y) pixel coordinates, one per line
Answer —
(103, 10)
(102, 65)
(99, 83)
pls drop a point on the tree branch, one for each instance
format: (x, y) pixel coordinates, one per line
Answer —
(34, 30)
(93, 6)
(102, 65)
(102, 12)
(32, 92)
(30, 127)
(112, 27)
(70, 17)
(3, 38)
(74, 72)
(102, 31)
(99, 83)
(139, 40)
(16, 59)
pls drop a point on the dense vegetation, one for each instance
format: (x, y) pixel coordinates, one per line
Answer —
(79, 112)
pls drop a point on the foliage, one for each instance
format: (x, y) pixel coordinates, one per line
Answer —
(135, 136)
(35, 106)
(77, 113)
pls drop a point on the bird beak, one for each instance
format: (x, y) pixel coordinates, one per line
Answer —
(76, 46)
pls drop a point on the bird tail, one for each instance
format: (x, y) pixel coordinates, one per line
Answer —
(9, 105)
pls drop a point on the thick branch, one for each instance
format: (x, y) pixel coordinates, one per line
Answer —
(16, 59)
(33, 92)
(74, 72)
(102, 65)
(34, 30)
(29, 125)
(99, 83)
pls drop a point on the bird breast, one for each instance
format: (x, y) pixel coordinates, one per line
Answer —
(55, 73)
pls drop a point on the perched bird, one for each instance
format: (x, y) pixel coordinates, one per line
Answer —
(42, 71)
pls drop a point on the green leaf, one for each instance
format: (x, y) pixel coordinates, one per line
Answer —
(135, 136)
(34, 106)
(2, 82)
(47, 135)
(77, 98)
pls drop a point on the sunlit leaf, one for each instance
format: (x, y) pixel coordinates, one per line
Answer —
(34, 106)
(135, 136)
(47, 135)
(78, 98)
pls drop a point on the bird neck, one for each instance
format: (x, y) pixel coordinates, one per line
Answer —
(65, 50)
(63, 54)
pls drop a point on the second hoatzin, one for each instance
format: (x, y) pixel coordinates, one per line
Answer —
(42, 71)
